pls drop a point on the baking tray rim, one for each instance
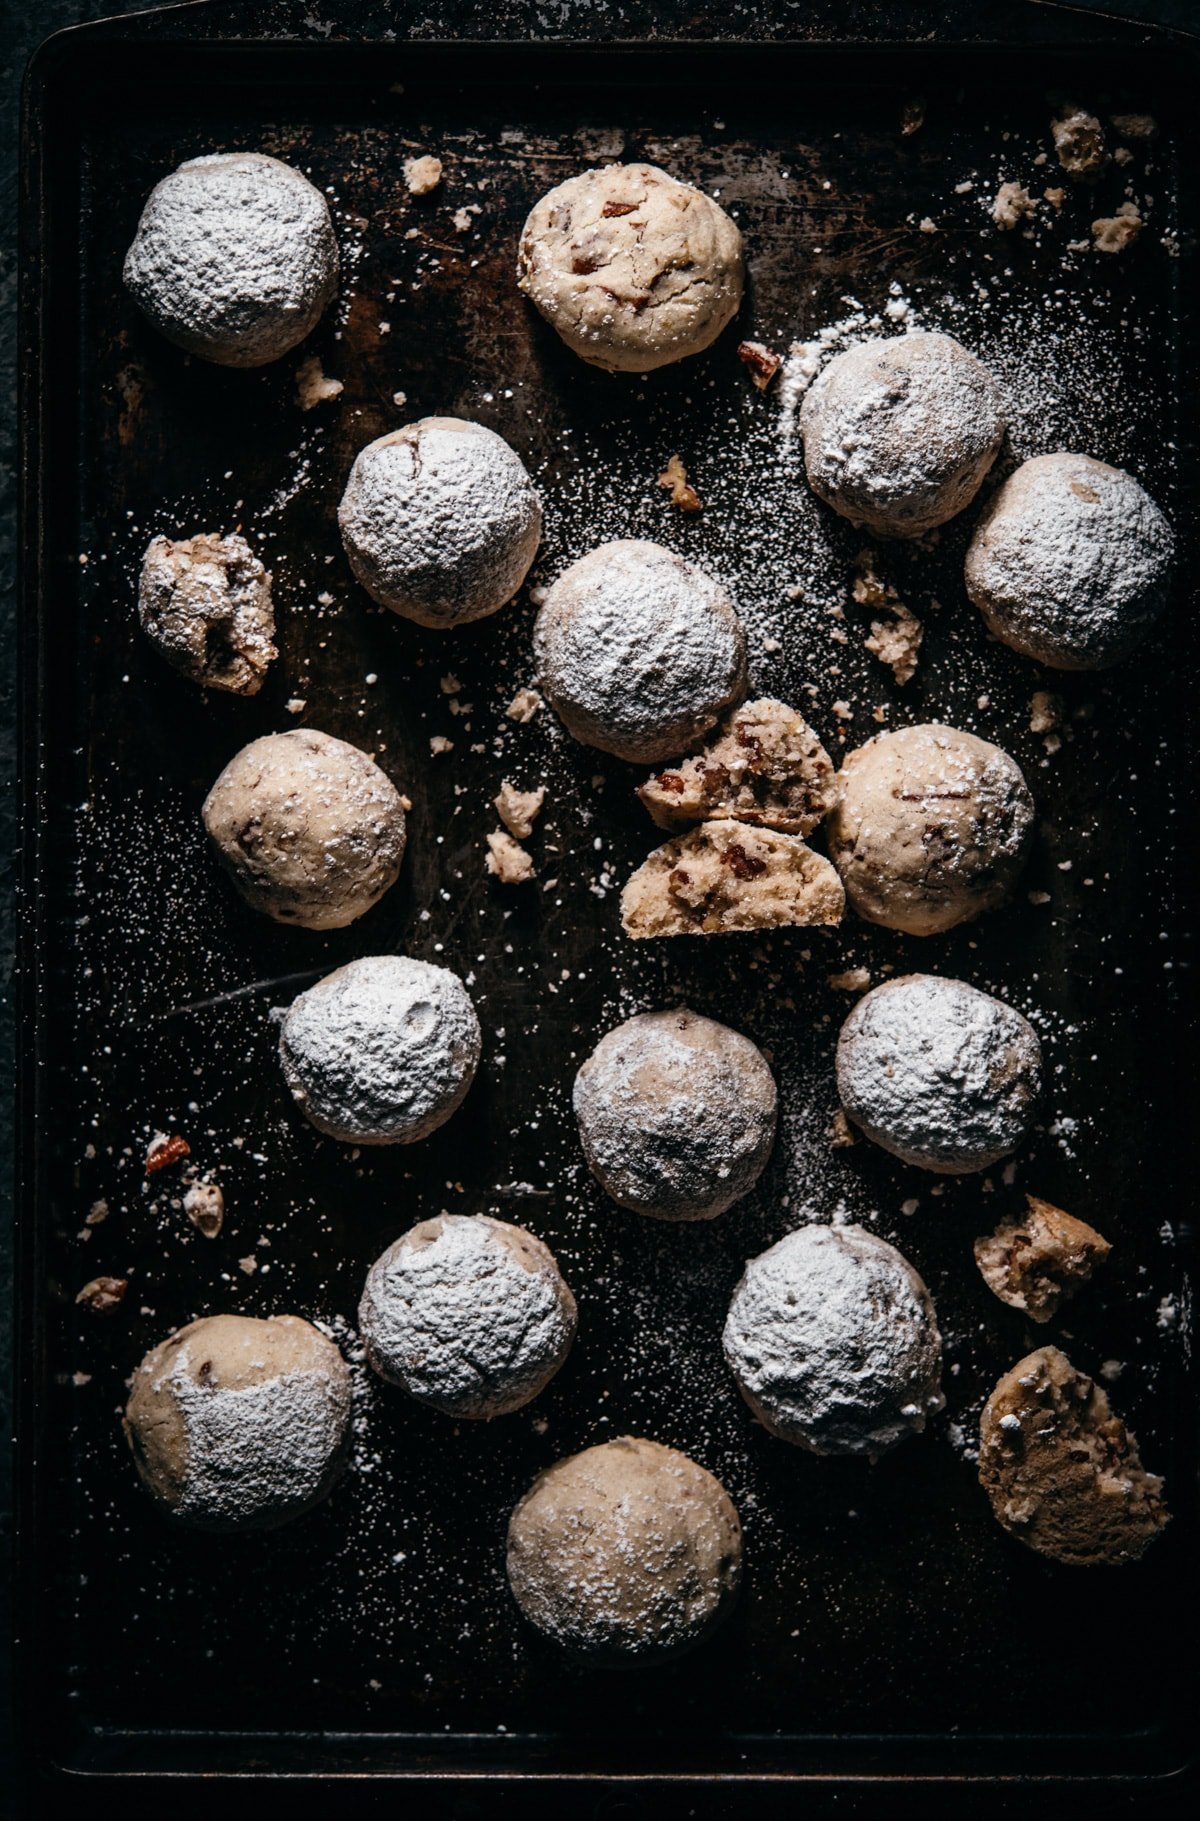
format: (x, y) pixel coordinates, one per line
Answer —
(44, 70)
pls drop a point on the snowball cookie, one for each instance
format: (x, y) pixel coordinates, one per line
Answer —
(239, 1424)
(676, 1114)
(309, 828)
(899, 434)
(1062, 1471)
(205, 605)
(440, 521)
(234, 258)
(467, 1314)
(381, 1051)
(938, 1073)
(626, 1553)
(1071, 562)
(930, 826)
(833, 1341)
(633, 269)
(639, 651)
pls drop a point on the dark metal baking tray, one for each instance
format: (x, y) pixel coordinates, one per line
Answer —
(890, 1631)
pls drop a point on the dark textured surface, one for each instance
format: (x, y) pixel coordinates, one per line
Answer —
(157, 738)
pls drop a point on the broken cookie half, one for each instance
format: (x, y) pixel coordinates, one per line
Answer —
(764, 765)
(1061, 1469)
(727, 876)
(1034, 1262)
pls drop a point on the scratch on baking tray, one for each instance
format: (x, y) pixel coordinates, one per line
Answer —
(236, 992)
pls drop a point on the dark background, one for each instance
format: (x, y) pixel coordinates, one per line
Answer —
(23, 29)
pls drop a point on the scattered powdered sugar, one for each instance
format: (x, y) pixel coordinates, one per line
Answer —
(467, 1314)
(939, 1073)
(381, 1051)
(832, 1338)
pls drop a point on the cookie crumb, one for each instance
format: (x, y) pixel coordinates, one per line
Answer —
(103, 1294)
(1135, 126)
(440, 744)
(854, 980)
(1113, 233)
(313, 384)
(841, 1132)
(682, 494)
(1045, 711)
(423, 174)
(1012, 205)
(1033, 1262)
(1079, 142)
(519, 809)
(524, 706)
(895, 642)
(507, 861)
(204, 1205)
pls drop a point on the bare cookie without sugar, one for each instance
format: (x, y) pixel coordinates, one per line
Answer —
(234, 258)
(468, 1315)
(899, 434)
(764, 765)
(627, 1553)
(631, 268)
(440, 521)
(240, 1424)
(931, 827)
(381, 1051)
(1035, 1261)
(639, 651)
(727, 876)
(1061, 1469)
(310, 830)
(938, 1073)
(834, 1344)
(205, 605)
(676, 1114)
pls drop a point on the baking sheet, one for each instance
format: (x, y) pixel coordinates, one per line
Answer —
(888, 1626)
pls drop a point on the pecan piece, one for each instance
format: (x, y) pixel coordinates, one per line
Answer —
(164, 1151)
(761, 362)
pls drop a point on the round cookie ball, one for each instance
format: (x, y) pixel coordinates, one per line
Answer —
(234, 258)
(1071, 562)
(898, 435)
(938, 1073)
(627, 1553)
(381, 1051)
(240, 1424)
(440, 521)
(204, 603)
(834, 1344)
(930, 827)
(309, 829)
(676, 1114)
(631, 268)
(639, 651)
(467, 1314)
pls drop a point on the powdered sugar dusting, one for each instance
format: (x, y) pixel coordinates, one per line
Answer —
(467, 1314)
(832, 1338)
